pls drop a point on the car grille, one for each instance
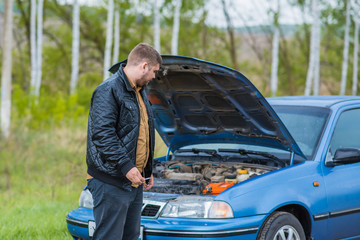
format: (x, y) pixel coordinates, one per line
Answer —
(151, 209)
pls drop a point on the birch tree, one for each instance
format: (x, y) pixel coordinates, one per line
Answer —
(356, 17)
(109, 37)
(275, 52)
(314, 58)
(116, 37)
(346, 50)
(33, 47)
(75, 47)
(316, 88)
(39, 47)
(157, 25)
(176, 27)
(6, 69)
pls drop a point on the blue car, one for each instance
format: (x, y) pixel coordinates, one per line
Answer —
(240, 166)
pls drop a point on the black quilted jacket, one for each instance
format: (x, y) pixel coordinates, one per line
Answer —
(113, 131)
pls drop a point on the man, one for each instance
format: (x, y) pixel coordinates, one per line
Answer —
(120, 146)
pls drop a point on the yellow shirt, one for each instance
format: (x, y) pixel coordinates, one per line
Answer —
(142, 150)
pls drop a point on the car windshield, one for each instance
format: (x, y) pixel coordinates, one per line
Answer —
(305, 124)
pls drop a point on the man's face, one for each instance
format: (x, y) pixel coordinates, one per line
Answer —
(148, 75)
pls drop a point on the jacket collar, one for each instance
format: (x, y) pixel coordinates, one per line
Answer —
(124, 78)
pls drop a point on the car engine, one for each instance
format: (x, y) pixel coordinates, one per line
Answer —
(202, 177)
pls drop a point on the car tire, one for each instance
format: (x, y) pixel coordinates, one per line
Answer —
(281, 225)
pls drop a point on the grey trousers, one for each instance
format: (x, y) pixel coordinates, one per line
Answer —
(117, 212)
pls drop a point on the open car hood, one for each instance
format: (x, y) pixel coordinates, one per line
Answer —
(196, 101)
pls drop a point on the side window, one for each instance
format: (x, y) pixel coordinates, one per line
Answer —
(347, 131)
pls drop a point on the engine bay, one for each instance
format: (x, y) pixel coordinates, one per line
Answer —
(183, 176)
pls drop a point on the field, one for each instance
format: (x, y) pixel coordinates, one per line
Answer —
(42, 173)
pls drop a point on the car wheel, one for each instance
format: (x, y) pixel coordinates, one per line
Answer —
(282, 226)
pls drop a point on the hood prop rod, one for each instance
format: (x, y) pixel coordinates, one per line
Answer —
(292, 156)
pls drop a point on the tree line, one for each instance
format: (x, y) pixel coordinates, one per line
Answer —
(58, 51)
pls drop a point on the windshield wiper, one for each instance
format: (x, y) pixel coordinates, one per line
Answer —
(211, 152)
(244, 152)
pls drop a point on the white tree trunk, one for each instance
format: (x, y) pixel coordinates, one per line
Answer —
(275, 61)
(356, 16)
(109, 37)
(6, 70)
(176, 28)
(356, 52)
(33, 47)
(75, 47)
(316, 89)
(346, 50)
(313, 47)
(39, 48)
(275, 52)
(116, 37)
(157, 25)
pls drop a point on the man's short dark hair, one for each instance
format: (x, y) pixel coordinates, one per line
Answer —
(144, 52)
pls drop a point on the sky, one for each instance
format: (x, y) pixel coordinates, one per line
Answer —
(254, 12)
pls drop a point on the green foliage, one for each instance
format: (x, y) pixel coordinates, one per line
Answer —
(49, 111)
(196, 39)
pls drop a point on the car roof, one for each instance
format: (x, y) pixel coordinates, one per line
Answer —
(316, 101)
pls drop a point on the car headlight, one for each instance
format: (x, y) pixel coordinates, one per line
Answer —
(197, 207)
(86, 199)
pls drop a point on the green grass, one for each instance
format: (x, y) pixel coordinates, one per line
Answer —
(42, 173)
(36, 217)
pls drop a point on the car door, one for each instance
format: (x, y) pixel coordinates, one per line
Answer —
(343, 181)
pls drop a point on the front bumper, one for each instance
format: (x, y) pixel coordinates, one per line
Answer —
(78, 222)
(221, 234)
(245, 228)
(211, 229)
(77, 229)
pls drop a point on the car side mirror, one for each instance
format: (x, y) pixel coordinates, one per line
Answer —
(345, 156)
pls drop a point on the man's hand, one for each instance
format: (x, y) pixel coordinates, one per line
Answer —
(135, 177)
(151, 183)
